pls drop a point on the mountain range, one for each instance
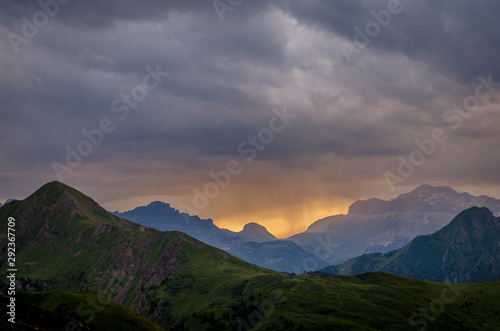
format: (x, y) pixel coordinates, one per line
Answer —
(381, 226)
(370, 226)
(465, 250)
(65, 241)
(253, 244)
(72, 253)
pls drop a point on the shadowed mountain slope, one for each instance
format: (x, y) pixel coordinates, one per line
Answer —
(382, 226)
(467, 249)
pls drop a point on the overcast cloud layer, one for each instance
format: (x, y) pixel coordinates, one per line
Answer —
(353, 118)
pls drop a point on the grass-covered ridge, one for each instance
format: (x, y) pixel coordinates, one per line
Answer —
(372, 301)
(67, 242)
(57, 310)
(466, 250)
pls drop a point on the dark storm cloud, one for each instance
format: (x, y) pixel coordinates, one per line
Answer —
(458, 38)
(103, 14)
(225, 77)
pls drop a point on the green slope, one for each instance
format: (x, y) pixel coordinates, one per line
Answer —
(65, 241)
(466, 250)
(72, 311)
(372, 301)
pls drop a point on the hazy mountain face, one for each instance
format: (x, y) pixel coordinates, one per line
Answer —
(381, 226)
(371, 226)
(465, 250)
(425, 198)
(253, 232)
(253, 244)
(161, 216)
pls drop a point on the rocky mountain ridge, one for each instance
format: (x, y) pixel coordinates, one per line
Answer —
(465, 250)
(253, 244)
(376, 225)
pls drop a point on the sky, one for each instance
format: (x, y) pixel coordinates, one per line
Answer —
(275, 112)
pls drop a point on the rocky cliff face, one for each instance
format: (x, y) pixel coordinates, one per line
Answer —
(425, 198)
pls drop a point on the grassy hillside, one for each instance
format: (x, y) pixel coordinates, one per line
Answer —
(372, 301)
(65, 241)
(61, 310)
(466, 250)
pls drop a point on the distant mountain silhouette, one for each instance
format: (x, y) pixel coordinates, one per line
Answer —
(253, 244)
(424, 198)
(467, 249)
(376, 225)
(253, 232)
(161, 216)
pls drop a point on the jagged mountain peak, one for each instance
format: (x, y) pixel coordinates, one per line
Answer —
(429, 190)
(254, 226)
(159, 205)
(255, 232)
(57, 194)
(61, 191)
(465, 250)
(425, 198)
(54, 184)
(63, 207)
(159, 210)
(473, 222)
(474, 212)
